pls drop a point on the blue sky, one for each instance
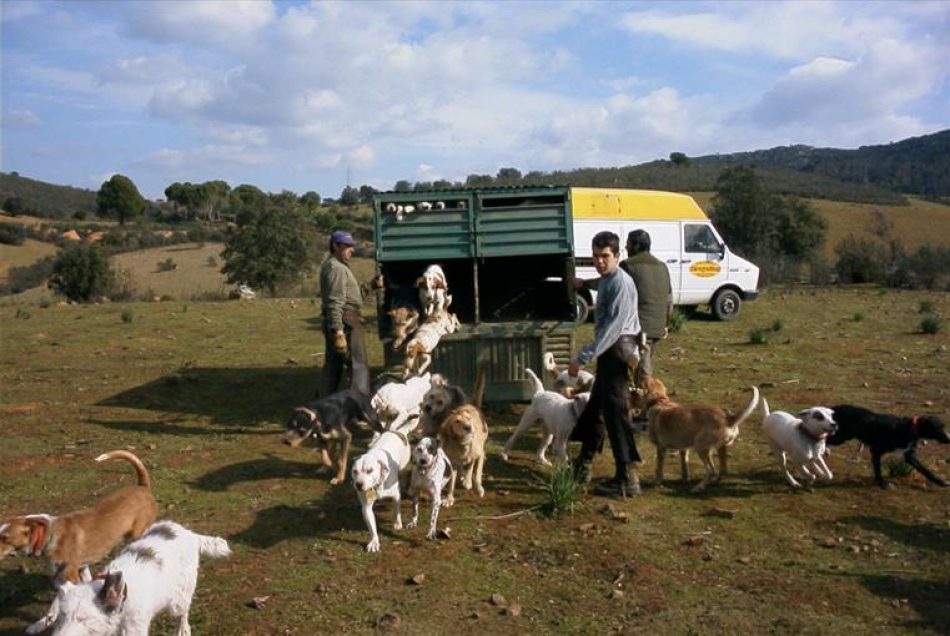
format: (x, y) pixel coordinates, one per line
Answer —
(304, 96)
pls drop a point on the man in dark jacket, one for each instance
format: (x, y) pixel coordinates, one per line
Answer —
(342, 301)
(654, 294)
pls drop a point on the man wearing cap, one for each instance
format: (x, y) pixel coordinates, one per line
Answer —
(342, 299)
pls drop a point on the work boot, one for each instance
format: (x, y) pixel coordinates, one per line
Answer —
(583, 472)
(626, 483)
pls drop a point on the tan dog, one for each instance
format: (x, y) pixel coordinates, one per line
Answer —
(78, 539)
(462, 435)
(702, 428)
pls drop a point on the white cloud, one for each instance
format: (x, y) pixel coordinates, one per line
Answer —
(783, 29)
(203, 23)
(862, 94)
(21, 119)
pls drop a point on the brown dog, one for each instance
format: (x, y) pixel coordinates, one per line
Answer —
(462, 435)
(702, 428)
(78, 539)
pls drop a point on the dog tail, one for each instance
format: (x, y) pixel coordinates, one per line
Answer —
(479, 391)
(748, 410)
(144, 479)
(213, 546)
(538, 386)
(765, 407)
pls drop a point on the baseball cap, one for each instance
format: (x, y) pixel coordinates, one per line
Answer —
(342, 237)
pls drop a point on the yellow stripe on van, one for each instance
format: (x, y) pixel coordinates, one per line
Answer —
(634, 205)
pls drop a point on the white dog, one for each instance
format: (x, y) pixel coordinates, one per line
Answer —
(376, 476)
(433, 292)
(566, 384)
(557, 414)
(431, 472)
(800, 440)
(396, 402)
(424, 341)
(157, 572)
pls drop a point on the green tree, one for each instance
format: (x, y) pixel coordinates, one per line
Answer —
(246, 200)
(119, 198)
(679, 159)
(366, 193)
(15, 206)
(757, 222)
(508, 176)
(310, 200)
(82, 272)
(402, 186)
(271, 247)
(349, 196)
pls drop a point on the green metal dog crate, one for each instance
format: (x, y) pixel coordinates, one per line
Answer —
(508, 256)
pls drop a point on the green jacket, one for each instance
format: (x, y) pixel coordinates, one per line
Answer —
(654, 291)
(339, 292)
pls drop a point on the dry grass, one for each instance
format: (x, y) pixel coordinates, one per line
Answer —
(200, 391)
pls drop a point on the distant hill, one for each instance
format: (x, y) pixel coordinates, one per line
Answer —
(698, 177)
(919, 165)
(45, 199)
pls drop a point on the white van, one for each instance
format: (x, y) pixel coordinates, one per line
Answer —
(702, 268)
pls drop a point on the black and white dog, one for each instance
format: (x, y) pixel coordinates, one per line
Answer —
(887, 433)
(327, 421)
(158, 572)
(431, 473)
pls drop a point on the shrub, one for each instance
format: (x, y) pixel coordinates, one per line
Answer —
(858, 261)
(896, 467)
(778, 325)
(168, 265)
(212, 261)
(925, 307)
(127, 316)
(22, 278)
(562, 492)
(22, 314)
(82, 273)
(930, 324)
(12, 234)
(858, 316)
(677, 320)
(758, 336)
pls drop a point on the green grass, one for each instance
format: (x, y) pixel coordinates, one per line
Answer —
(200, 391)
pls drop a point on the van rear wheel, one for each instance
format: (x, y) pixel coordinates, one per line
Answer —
(726, 305)
(581, 309)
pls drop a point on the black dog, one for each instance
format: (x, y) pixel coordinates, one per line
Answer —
(886, 433)
(328, 420)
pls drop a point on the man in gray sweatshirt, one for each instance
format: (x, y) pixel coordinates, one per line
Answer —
(616, 330)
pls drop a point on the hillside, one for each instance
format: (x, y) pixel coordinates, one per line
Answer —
(919, 165)
(46, 199)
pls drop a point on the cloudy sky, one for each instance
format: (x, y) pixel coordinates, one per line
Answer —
(309, 96)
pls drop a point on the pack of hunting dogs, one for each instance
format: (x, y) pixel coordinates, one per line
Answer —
(428, 434)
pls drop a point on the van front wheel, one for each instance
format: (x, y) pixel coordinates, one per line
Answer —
(726, 305)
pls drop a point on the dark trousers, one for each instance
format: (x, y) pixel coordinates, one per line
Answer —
(607, 414)
(355, 360)
(647, 358)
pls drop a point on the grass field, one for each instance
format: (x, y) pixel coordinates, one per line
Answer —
(200, 391)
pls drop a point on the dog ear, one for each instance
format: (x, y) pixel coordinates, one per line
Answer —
(113, 592)
(805, 413)
(383, 468)
(420, 282)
